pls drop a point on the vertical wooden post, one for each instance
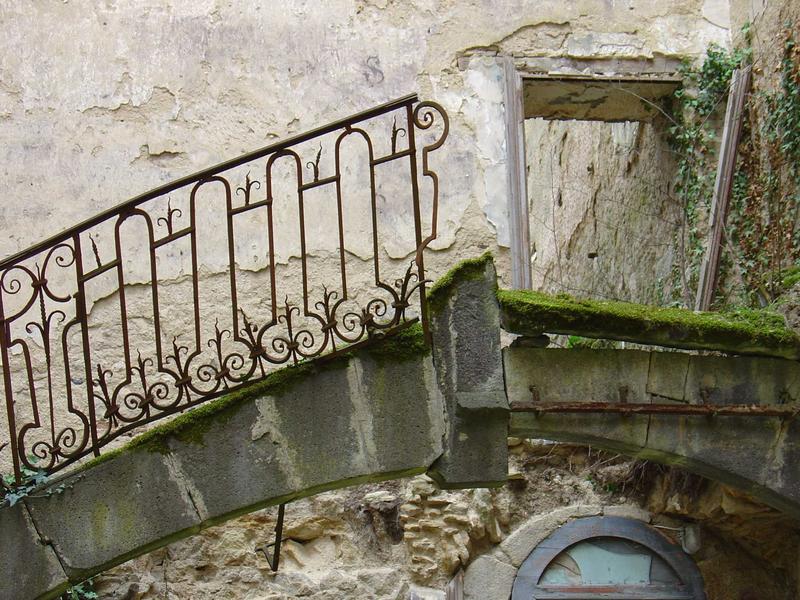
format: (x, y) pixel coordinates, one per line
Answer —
(732, 130)
(455, 589)
(519, 224)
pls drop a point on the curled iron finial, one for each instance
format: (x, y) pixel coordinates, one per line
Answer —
(168, 220)
(314, 165)
(396, 131)
(248, 185)
(424, 117)
(96, 252)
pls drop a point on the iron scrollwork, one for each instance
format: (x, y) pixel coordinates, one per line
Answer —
(69, 391)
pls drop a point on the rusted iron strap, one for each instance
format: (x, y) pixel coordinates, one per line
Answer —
(740, 410)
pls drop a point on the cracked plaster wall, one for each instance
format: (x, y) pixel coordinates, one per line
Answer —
(151, 91)
(101, 101)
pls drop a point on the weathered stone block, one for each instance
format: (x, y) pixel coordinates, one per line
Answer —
(667, 376)
(118, 509)
(406, 413)
(576, 375)
(626, 434)
(627, 511)
(488, 577)
(561, 375)
(30, 568)
(733, 450)
(474, 456)
(525, 538)
(466, 342)
(235, 464)
(482, 400)
(742, 380)
(354, 421)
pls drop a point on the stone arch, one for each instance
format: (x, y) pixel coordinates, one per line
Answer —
(753, 454)
(492, 575)
(301, 431)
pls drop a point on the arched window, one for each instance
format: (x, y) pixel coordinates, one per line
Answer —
(608, 557)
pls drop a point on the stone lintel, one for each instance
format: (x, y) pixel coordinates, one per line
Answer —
(596, 98)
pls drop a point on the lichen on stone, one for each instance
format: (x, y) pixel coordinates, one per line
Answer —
(740, 331)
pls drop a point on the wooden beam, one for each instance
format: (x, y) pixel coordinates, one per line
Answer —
(455, 589)
(518, 220)
(734, 117)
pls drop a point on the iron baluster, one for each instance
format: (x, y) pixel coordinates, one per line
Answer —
(129, 381)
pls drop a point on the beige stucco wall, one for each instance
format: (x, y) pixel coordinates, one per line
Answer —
(104, 101)
(101, 101)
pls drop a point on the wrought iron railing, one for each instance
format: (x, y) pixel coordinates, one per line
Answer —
(202, 285)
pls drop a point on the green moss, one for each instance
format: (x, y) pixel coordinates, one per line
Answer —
(192, 425)
(578, 342)
(742, 331)
(790, 276)
(407, 344)
(472, 268)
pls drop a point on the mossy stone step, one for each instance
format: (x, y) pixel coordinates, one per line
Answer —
(744, 331)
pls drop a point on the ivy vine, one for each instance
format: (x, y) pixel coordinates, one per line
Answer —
(693, 137)
(82, 591)
(762, 235)
(11, 492)
(763, 224)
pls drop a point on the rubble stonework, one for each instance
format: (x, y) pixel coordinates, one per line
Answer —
(380, 541)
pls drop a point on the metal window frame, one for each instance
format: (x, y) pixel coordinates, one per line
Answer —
(526, 585)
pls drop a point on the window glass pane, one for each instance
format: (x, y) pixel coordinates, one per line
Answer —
(604, 561)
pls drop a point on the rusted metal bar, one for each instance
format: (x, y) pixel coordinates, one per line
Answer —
(731, 410)
(274, 559)
(132, 371)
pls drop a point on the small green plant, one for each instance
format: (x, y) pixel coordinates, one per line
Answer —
(578, 341)
(82, 591)
(31, 479)
(12, 492)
